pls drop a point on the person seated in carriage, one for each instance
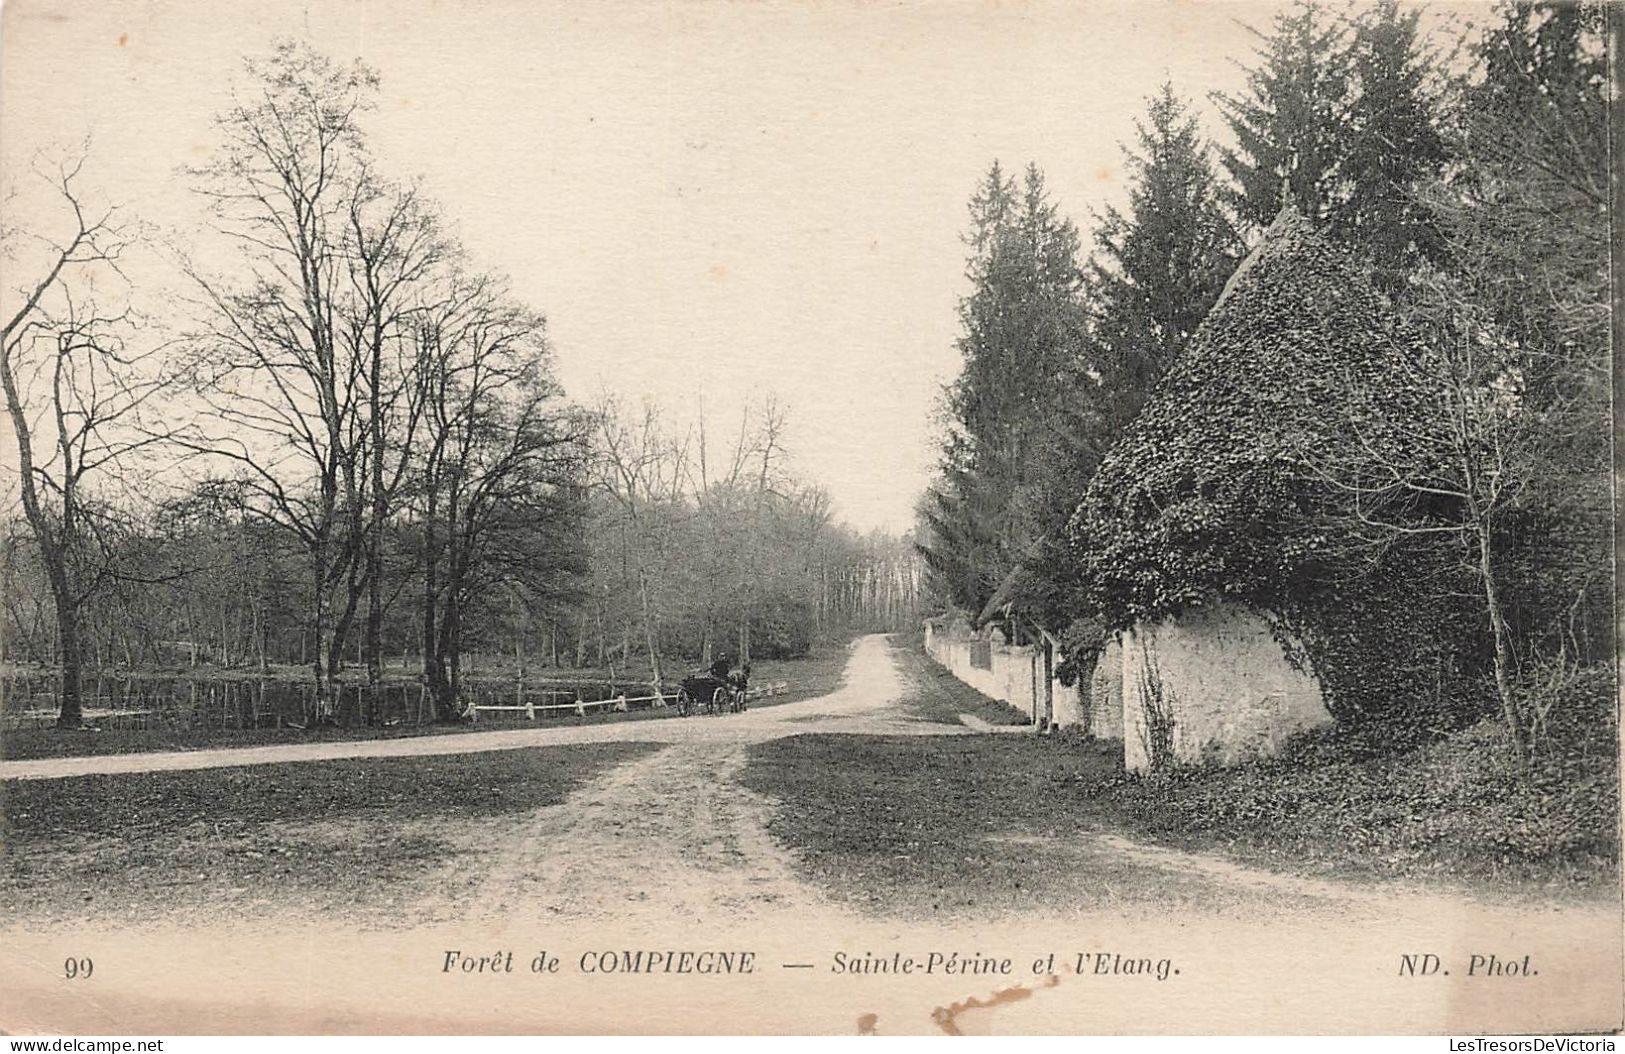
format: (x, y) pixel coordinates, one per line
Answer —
(719, 684)
(722, 672)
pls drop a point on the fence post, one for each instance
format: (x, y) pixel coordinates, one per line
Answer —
(1049, 681)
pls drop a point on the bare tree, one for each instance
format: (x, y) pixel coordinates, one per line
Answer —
(642, 471)
(498, 465)
(394, 268)
(77, 397)
(1448, 462)
(286, 394)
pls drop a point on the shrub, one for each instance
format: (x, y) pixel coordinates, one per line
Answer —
(1570, 708)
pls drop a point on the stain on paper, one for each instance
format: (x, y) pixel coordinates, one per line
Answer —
(946, 1017)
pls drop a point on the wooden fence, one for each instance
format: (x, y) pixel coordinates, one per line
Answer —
(135, 701)
(619, 704)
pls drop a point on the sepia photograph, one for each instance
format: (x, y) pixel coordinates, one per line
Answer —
(809, 517)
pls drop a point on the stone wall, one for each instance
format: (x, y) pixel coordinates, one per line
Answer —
(1106, 693)
(1070, 708)
(1015, 674)
(1226, 686)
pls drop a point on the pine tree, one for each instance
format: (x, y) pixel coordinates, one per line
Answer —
(1395, 145)
(990, 209)
(1158, 268)
(1014, 442)
(1290, 125)
(1340, 112)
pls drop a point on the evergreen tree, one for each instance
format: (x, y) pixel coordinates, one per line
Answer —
(1533, 189)
(1015, 419)
(1526, 219)
(1395, 144)
(990, 209)
(1340, 113)
(1291, 124)
(1160, 266)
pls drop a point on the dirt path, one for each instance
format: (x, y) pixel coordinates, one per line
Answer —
(673, 836)
(669, 837)
(864, 704)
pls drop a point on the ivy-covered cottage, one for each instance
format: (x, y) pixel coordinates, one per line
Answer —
(1207, 543)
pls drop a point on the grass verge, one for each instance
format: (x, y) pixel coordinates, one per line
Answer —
(944, 824)
(927, 824)
(934, 694)
(1456, 809)
(319, 834)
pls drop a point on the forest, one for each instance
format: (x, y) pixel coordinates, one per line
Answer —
(348, 452)
(1437, 532)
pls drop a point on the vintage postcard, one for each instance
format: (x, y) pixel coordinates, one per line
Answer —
(774, 516)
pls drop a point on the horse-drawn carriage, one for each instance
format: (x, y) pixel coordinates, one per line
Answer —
(714, 694)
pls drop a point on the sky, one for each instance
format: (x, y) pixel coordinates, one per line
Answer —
(711, 201)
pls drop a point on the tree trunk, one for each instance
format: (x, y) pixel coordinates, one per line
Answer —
(374, 650)
(71, 713)
(319, 630)
(53, 549)
(429, 590)
(442, 694)
(373, 642)
(335, 652)
(449, 673)
(261, 632)
(1503, 656)
(651, 634)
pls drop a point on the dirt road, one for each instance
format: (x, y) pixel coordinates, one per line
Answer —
(670, 852)
(673, 835)
(865, 704)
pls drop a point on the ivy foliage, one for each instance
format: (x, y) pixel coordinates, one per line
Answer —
(1212, 493)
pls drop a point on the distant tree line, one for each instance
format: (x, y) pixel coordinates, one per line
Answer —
(349, 446)
(1468, 179)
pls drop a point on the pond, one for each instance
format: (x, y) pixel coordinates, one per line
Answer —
(121, 699)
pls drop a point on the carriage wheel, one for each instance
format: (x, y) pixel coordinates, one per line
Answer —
(719, 700)
(685, 703)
